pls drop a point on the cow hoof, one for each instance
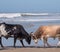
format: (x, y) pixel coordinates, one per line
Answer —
(44, 46)
(23, 46)
(14, 46)
(2, 46)
(48, 46)
(57, 46)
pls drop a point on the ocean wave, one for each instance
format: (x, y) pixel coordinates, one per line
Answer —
(39, 20)
(33, 14)
(11, 15)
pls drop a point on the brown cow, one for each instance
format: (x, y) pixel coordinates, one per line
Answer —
(44, 32)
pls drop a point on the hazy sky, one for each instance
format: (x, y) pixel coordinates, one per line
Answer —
(29, 5)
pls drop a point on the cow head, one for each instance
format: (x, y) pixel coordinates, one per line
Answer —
(33, 37)
(28, 39)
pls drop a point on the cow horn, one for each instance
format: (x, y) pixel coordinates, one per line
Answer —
(9, 31)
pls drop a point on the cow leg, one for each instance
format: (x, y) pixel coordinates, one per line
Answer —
(58, 44)
(45, 42)
(1, 42)
(59, 38)
(14, 41)
(22, 43)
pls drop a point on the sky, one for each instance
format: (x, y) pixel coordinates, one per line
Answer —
(29, 6)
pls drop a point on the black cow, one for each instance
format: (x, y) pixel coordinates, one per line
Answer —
(16, 30)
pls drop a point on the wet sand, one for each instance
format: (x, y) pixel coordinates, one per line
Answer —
(30, 49)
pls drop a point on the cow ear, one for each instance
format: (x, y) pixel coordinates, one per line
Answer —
(32, 34)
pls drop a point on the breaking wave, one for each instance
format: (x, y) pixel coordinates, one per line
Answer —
(30, 20)
(36, 20)
(11, 15)
(33, 14)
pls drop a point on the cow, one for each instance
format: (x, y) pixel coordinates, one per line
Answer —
(14, 30)
(44, 32)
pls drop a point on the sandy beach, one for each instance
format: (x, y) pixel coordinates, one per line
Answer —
(29, 49)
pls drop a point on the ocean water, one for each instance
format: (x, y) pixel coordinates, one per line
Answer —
(31, 22)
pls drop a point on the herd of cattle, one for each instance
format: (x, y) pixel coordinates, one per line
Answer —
(17, 31)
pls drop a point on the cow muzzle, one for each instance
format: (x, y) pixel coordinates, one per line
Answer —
(36, 41)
